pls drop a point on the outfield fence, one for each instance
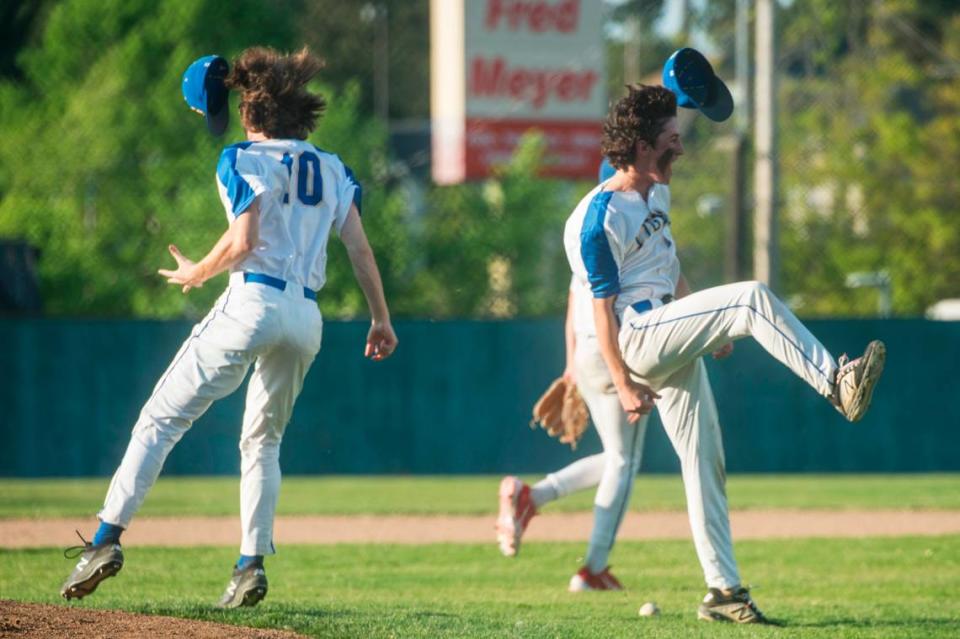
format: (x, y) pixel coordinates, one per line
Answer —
(456, 398)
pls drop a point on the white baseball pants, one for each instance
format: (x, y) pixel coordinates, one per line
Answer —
(622, 451)
(612, 471)
(663, 348)
(279, 332)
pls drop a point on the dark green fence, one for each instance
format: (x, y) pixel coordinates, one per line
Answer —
(456, 398)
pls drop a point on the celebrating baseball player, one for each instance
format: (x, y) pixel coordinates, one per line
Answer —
(613, 474)
(651, 331)
(282, 197)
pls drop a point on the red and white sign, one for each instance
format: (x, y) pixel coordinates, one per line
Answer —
(500, 68)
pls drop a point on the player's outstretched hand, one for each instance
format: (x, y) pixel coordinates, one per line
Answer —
(637, 399)
(724, 351)
(185, 273)
(381, 341)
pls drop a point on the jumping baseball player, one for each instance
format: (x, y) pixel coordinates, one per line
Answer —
(652, 333)
(613, 474)
(283, 196)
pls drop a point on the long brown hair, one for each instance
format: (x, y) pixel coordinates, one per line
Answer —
(639, 115)
(274, 99)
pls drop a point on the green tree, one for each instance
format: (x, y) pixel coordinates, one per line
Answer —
(869, 136)
(102, 164)
(360, 39)
(496, 248)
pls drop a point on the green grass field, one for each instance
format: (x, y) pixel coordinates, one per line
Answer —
(474, 495)
(871, 587)
(891, 588)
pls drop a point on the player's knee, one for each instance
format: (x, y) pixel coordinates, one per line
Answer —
(262, 447)
(152, 427)
(618, 465)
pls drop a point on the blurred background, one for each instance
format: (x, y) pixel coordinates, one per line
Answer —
(849, 210)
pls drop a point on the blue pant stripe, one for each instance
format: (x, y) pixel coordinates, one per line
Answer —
(633, 478)
(727, 308)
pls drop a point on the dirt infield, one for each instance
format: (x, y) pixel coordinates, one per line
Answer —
(43, 621)
(407, 529)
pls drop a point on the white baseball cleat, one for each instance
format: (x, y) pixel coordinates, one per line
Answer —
(585, 580)
(734, 605)
(856, 379)
(516, 511)
(97, 562)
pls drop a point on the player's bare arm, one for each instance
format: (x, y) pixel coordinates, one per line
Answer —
(570, 340)
(237, 242)
(637, 399)
(381, 340)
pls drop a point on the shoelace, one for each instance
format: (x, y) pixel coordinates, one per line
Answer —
(79, 549)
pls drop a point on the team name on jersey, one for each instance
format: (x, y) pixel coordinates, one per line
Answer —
(655, 221)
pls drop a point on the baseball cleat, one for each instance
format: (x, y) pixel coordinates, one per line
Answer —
(585, 580)
(247, 587)
(856, 379)
(734, 605)
(96, 564)
(516, 511)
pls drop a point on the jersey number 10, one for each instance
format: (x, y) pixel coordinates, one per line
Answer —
(309, 179)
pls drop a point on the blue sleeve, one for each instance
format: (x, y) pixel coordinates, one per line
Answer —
(358, 190)
(602, 270)
(239, 194)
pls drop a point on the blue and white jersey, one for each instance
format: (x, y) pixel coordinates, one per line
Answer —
(304, 193)
(619, 244)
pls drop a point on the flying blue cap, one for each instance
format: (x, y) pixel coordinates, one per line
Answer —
(689, 75)
(205, 91)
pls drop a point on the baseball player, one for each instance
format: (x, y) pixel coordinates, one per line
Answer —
(283, 196)
(652, 332)
(613, 473)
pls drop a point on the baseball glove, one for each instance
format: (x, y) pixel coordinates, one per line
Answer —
(561, 412)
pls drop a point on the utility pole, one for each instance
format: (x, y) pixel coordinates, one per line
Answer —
(765, 252)
(735, 262)
(631, 51)
(381, 66)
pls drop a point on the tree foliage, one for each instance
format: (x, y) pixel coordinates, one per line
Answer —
(869, 153)
(103, 165)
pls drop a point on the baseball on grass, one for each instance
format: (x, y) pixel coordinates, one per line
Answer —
(649, 609)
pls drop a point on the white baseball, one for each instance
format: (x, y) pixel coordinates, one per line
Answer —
(649, 609)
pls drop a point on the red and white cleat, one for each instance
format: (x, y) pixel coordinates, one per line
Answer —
(585, 580)
(516, 511)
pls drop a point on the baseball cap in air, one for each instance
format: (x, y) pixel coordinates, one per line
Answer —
(689, 75)
(205, 91)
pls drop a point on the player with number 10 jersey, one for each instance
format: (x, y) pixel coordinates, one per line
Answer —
(306, 192)
(283, 197)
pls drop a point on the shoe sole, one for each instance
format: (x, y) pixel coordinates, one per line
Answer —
(507, 536)
(709, 615)
(248, 599)
(874, 358)
(253, 596)
(83, 588)
(583, 587)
